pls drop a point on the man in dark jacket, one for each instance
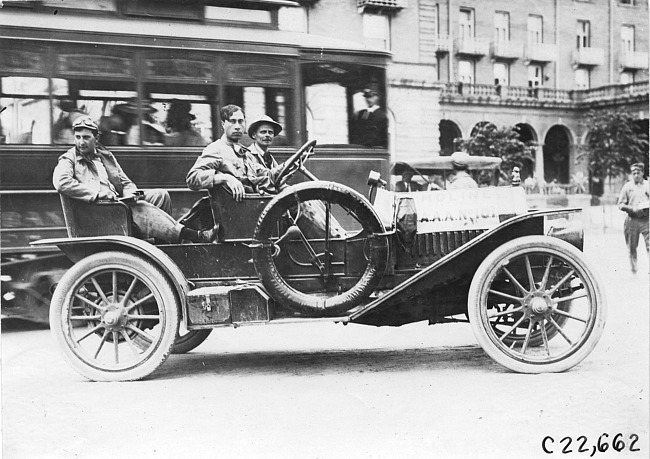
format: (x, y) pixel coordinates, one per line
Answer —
(91, 173)
(370, 125)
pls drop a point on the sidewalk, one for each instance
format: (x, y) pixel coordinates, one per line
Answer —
(604, 218)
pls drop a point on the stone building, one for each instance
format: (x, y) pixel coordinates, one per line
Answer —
(539, 66)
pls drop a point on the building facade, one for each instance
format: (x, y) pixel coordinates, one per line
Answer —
(539, 66)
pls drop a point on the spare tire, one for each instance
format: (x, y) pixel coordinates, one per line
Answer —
(368, 241)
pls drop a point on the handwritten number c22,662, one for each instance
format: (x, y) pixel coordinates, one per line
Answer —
(602, 444)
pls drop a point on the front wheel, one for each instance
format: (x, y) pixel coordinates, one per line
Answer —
(535, 306)
(115, 317)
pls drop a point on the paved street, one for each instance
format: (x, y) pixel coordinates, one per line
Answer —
(329, 391)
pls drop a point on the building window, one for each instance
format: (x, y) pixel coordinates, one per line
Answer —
(627, 39)
(535, 76)
(627, 77)
(466, 24)
(376, 31)
(535, 29)
(501, 74)
(582, 78)
(466, 72)
(626, 2)
(583, 35)
(501, 26)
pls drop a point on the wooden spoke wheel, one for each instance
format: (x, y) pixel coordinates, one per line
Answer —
(535, 306)
(115, 316)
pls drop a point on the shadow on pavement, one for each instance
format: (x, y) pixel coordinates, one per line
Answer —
(9, 325)
(326, 362)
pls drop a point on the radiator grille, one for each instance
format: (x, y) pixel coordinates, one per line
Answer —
(430, 247)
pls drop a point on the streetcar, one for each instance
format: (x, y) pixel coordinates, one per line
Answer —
(127, 83)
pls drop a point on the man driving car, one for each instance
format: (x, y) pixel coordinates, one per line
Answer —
(227, 162)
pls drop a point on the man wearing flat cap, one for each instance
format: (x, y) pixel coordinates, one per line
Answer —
(263, 131)
(370, 125)
(462, 179)
(634, 200)
(89, 172)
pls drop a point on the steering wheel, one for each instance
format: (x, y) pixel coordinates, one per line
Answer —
(294, 163)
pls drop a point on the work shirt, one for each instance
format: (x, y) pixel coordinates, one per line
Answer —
(461, 181)
(635, 195)
(104, 184)
(266, 159)
(234, 159)
(78, 176)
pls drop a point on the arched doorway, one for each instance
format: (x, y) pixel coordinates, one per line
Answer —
(478, 126)
(448, 132)
(526, 134)
(557, 148)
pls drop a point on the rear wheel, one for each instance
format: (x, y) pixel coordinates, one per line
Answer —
(535, 306)
(186, 340)
(115, 317)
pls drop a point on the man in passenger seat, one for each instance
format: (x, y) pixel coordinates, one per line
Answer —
(89, 172)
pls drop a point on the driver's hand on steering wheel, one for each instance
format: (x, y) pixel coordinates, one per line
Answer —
(236, 187)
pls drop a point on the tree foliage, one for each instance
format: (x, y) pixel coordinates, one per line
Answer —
(614, 142)
(504, 142)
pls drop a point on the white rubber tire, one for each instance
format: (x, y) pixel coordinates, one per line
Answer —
(595, 309)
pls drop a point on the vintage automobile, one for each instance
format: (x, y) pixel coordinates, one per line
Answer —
(433, 173)
(320, 251)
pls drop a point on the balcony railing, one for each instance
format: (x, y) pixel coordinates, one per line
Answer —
(506, 49)
(633, 60)
(374, 5)
(615, 91)
(444, 43)
(540, 52)
(472, 46)
(431, 45)
(588, 57)
(489, 92)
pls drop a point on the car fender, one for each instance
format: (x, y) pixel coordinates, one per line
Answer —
(78, 248)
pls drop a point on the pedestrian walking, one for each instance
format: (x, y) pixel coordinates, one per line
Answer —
(634, 200)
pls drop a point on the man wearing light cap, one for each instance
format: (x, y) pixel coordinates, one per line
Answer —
(634, 200)
(90, 173)
(263, 131)
(462, 179)
(370, 125)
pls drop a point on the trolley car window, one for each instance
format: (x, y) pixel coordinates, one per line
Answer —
(101, 100)
(334, 100)
(25, 116)
(257, 101)
(183, 111)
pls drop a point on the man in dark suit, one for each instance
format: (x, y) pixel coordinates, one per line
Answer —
(370, 125)
(406, 184)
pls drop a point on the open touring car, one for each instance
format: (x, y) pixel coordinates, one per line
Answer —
(320, 251)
